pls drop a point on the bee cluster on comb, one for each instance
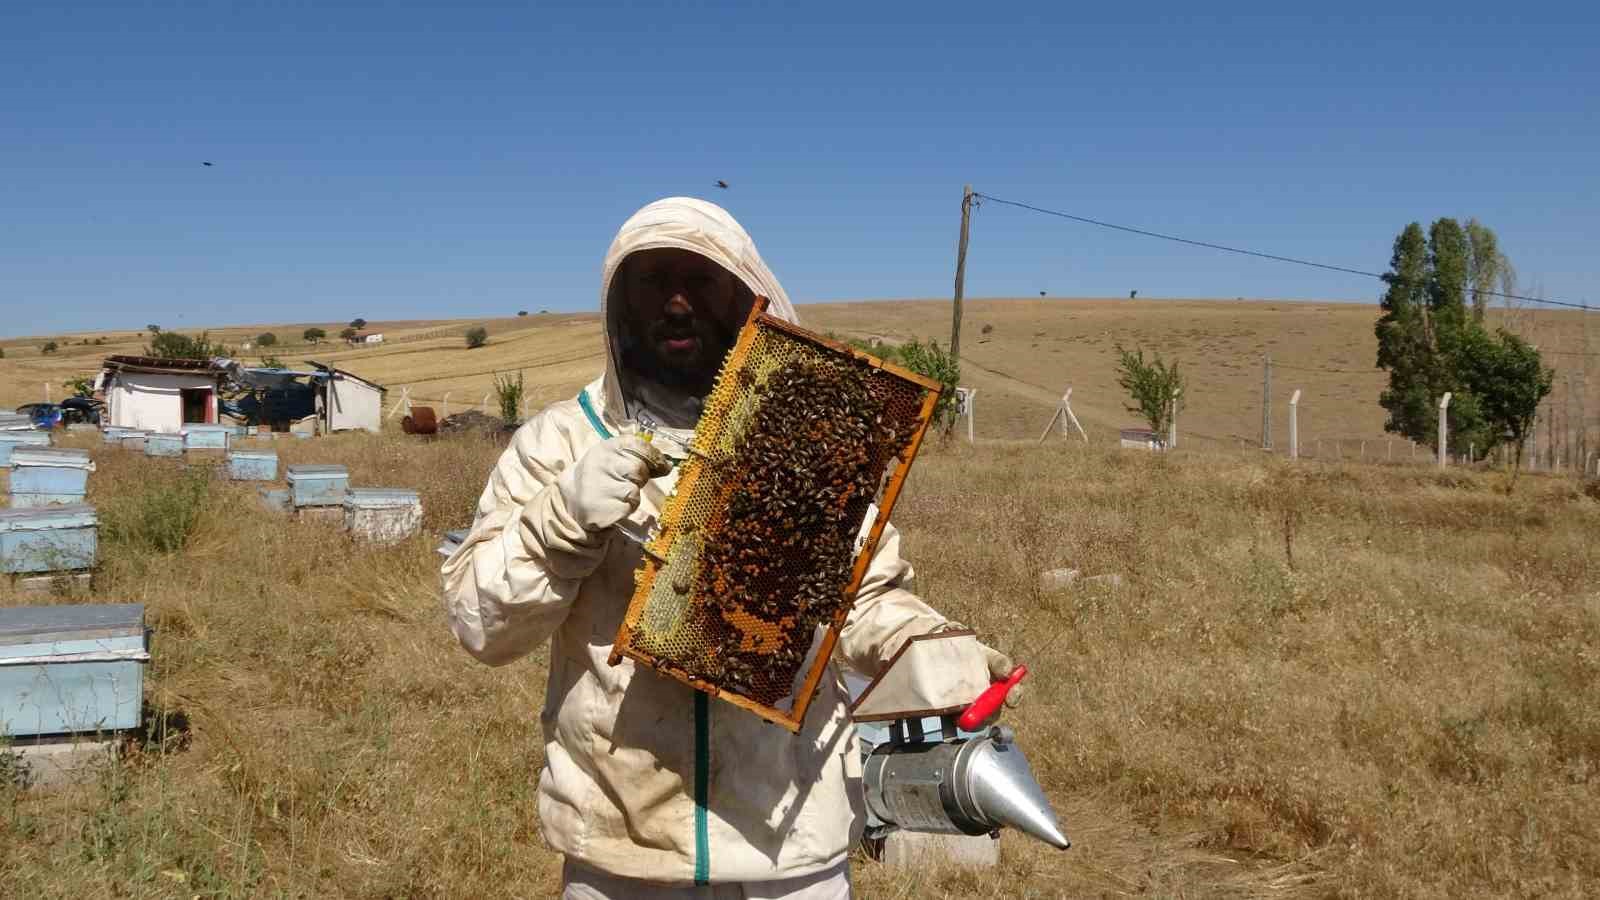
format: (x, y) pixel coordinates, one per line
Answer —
(757, 559)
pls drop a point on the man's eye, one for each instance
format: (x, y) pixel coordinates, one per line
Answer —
(699, 282)
(655, 279)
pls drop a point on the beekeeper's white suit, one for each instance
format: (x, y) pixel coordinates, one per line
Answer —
(644, 778)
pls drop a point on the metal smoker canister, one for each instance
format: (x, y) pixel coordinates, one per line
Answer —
(973, 787)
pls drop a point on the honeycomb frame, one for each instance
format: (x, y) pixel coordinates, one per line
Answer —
(670, 608)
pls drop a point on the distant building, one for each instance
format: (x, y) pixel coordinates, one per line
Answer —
(347, 401)
(366, 337)
(161, 395)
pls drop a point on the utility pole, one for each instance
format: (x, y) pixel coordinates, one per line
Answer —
(961, 271)
(1266, 402)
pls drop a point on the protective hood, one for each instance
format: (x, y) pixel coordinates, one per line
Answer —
(686, 224)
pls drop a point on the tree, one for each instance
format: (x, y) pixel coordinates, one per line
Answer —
(1403, 345)
(1509, 379)
(313, 335)
(932, 361)
(348, 334)
(48, 347)
(80, 386)
(1488, 270)
(2, 353)
(266, 339)
(477, 337)
(175, 345)
(509, 394)
(521, 313)
(358, 323)
(153, 329)
(1151, 385)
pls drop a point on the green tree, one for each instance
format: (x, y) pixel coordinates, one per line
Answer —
(477, 337)
(313, 335)
(153, 329)
(358, 323)
(348, 334)
(266, 339)
(1488, 270)
(80, 386)
(1402, 332)
(930, 361)
(1151, 385)
(1509, 380)
(48, 347)
(176, 345)
(509, 395)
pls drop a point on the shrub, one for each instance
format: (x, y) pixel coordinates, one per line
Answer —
(313, 335)
(80, 386)
(1151, 385)
(932, 361)
(266, 339)
(173, 345)
(509, 394)
(477, 337)
(348, 334)
(160, 515)
(48, 347)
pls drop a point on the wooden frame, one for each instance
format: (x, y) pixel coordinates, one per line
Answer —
(658, 550)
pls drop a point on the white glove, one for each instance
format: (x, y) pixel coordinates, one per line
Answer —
(1000, 665)
(602, 487)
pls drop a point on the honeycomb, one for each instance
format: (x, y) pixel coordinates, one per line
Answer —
(757, 559)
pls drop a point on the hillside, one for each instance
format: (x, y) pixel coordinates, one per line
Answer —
(1033, 350)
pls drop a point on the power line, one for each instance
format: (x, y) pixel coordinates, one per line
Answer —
(1256, 253)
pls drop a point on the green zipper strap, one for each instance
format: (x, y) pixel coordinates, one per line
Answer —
(702, 786)
(594, 418)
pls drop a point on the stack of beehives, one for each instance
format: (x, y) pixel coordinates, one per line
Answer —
(323, 493)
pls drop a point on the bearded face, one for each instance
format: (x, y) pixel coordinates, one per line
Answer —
(682, 313)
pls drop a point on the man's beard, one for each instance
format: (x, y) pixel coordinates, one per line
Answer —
(645, 357)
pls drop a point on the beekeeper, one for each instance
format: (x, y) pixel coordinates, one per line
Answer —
(649, 789)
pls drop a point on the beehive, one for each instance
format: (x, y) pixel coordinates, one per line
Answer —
(206, 437)
(10, 440)
(760, 548)
(47, 539)
(71, 669)
(133, 439)
(382, 515)
(41, 476)
(252, 465)
(311, 485)
(163, 445)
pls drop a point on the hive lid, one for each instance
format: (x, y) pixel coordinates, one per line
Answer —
(41, 518)
(379, 498)
(34, 624)
(317, 471)
(252, 454)
(37, 438)
(200, 426)
(62, 459)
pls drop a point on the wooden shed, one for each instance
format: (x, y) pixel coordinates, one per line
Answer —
(349, 402)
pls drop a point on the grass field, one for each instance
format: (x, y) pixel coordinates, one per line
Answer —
(1408, 709)
(1318, 680)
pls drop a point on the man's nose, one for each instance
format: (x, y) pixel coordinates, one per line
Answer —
(678, 304)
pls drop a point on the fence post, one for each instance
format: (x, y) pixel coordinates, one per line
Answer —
(1444, 430)
(1172, 424)
(1294, 425)
(1363, 451)
(1388, 450)
(444, 405)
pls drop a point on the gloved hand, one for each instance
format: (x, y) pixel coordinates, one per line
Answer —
(602, 487)
(1000, 666)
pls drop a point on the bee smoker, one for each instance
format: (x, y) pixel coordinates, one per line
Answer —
(960, 778)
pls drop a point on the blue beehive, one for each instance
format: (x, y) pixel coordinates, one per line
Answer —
(47, 539)
(41, 476)
(206, 437)
(112, 434)
(71, 669)
(10, 440)
(318, 485)
(133, 439)
(163, 445)
(275, 499)
(253, 465)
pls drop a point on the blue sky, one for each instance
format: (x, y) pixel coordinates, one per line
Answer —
(409, 161)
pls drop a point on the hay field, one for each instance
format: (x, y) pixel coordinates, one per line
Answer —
(1033, 350)
(1408, 708)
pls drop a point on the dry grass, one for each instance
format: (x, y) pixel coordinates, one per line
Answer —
(1410, 710)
